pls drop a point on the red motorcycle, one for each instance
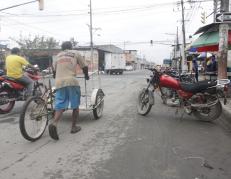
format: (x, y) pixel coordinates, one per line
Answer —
(200, 99)
(11, 90)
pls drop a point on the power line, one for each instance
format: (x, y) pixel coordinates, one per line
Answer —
(96, 12)
(37, 28)
(17, 5)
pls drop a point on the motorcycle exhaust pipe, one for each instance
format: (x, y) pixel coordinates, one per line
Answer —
(207, 105)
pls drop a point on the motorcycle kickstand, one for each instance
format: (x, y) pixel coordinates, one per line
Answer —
(182, 115)
(177, 111)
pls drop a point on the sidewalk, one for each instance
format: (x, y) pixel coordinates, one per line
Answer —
(226, 119)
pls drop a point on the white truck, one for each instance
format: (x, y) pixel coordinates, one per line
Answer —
(114, 63)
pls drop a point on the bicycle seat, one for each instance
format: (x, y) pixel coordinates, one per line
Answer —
(198, 87)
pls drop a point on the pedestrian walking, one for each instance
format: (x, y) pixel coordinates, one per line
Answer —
(67, 87)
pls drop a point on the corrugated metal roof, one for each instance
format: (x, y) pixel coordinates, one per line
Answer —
(208, 28)
(109, 48)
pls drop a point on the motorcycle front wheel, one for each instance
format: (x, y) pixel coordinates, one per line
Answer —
(143, 105)
(209, 114)
(6, 105)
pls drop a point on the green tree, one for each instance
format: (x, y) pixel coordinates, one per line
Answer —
(74, 43)
(37, 42)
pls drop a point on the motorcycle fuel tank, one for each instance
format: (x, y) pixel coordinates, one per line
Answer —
(169, 82)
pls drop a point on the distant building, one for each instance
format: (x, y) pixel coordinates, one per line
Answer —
(131, 58)
(167, 63)
(44, 57)
(4, 51)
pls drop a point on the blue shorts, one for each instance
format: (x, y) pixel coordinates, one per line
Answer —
(67, 98)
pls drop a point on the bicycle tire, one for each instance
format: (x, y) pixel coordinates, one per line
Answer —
(37, 119)
(98, 111)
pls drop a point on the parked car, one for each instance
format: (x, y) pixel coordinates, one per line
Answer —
(2, 72)
(129, 68)
(47, 71)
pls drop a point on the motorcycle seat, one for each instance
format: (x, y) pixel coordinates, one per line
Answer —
(200, 86)
(13, 80)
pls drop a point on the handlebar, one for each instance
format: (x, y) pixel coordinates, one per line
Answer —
(151, 69)
(222, 82)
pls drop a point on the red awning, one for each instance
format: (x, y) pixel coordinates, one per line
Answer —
(211, 48)
(215, 47)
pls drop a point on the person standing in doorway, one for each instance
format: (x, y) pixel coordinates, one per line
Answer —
(195, 67)
(67, 87)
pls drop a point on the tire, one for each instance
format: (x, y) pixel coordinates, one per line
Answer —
(209, 114)
(98, 111)
(37, 106)
(143, 101)
(8, 106)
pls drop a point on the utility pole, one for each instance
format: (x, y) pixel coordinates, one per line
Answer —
(92, 60)
(223, 43)
(183, 60)
(214, 10)
(177, 46)
(91, 36)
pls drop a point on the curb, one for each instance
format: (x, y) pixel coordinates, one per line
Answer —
(225, 120)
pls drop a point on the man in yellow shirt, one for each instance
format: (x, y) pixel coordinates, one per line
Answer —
(14, 69)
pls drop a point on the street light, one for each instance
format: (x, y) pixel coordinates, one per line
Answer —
(41, 5)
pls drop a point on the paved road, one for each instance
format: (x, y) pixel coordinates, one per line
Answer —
(121, 145)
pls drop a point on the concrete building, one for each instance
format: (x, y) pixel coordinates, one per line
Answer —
(131, 58)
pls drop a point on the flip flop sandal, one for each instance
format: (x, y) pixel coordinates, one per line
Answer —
(75, 129)
(53, 132)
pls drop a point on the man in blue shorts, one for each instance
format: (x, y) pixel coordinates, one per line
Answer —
(67, 87)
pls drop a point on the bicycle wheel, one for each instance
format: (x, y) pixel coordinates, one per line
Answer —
(98, 111)
(34, 118)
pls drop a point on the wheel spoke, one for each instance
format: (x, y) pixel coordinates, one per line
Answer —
(34, 120)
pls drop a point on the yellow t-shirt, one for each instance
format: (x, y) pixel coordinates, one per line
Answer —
(14, 64)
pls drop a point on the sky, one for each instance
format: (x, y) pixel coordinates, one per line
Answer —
(128, 24)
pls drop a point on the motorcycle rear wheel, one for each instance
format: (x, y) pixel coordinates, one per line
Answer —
(143, 106)
(209, 114)
(8, 106)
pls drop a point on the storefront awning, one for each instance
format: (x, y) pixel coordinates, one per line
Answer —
(207, 42)
(206, 39)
